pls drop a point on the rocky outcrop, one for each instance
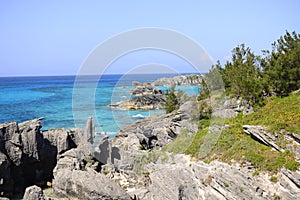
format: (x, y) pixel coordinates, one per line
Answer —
(279, 140)
(143, 102)
(6, 180)
(186, 80)
(231, 107)
(217, 180)
(159, 130)
(86, 184)
(28, 155)
(259, 133)
(145, 97)
(34, 193)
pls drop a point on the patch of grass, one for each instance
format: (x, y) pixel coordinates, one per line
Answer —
(226, 185)
(292, 165)
(278, 113)
(88, 160)
(273, 179)
(180, 144)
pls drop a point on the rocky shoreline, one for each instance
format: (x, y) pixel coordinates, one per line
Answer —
(64, 164)
(130, 166)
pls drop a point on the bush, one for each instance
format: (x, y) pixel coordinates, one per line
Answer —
(171, 100)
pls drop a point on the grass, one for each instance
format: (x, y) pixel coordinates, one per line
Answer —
(180, 144)
(233, 144)
(278, 113)
(273, 179)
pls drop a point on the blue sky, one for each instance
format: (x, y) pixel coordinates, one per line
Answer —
(55, 37)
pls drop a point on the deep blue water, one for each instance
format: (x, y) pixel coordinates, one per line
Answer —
(25, 98)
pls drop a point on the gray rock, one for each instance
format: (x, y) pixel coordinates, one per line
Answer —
(34, 193)
(89, 130)
(6, 182)
(293, 176)
(10, 142)
(231, 108)
(86, 185)
(259, 133)
(187, 80)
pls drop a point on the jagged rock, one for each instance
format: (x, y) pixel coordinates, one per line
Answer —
(34, 193)
(187, 80)
(89, 130)
(293, 176)
(259, 133)
(6, 181)
(63, 140)
(10, 142)
(86, 185)
(231, 107)
(146, 100)
(182, 179)
(75, 159)
(28, 156)
(32, 140)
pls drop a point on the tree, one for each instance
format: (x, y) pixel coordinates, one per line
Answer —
(282, 65)
(171, 100)
(242, 75)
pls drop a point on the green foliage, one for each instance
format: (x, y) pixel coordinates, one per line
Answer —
(282, 65)
(292, 165)
(205, 110)
(171, 100)
(203, 92)
(273, 179)
(252, 77)
(215, 79)
(242, 74)
(88, 160)
(277, 114)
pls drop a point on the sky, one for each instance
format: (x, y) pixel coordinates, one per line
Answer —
(55, 37)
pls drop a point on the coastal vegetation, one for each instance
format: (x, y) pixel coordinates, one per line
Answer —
(252, 77)
(267, 82)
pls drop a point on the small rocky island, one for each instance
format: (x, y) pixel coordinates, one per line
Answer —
(147, 96)
(144, 97)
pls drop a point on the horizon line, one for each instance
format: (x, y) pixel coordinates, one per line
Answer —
(60, 75)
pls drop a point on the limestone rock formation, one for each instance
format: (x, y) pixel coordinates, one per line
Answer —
(275, 140)
(145, 97)
(34, 193)
(186, 80)
(28, 155)
(86, 185)
(231, 107)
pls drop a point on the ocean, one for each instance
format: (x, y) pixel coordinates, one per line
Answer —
(50, 97)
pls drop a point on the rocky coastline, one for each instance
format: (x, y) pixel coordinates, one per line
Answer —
(135, 164)
(132, 165)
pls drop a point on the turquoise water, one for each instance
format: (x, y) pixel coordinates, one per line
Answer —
(25, 98)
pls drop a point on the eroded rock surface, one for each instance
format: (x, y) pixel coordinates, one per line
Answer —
(187, 80)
